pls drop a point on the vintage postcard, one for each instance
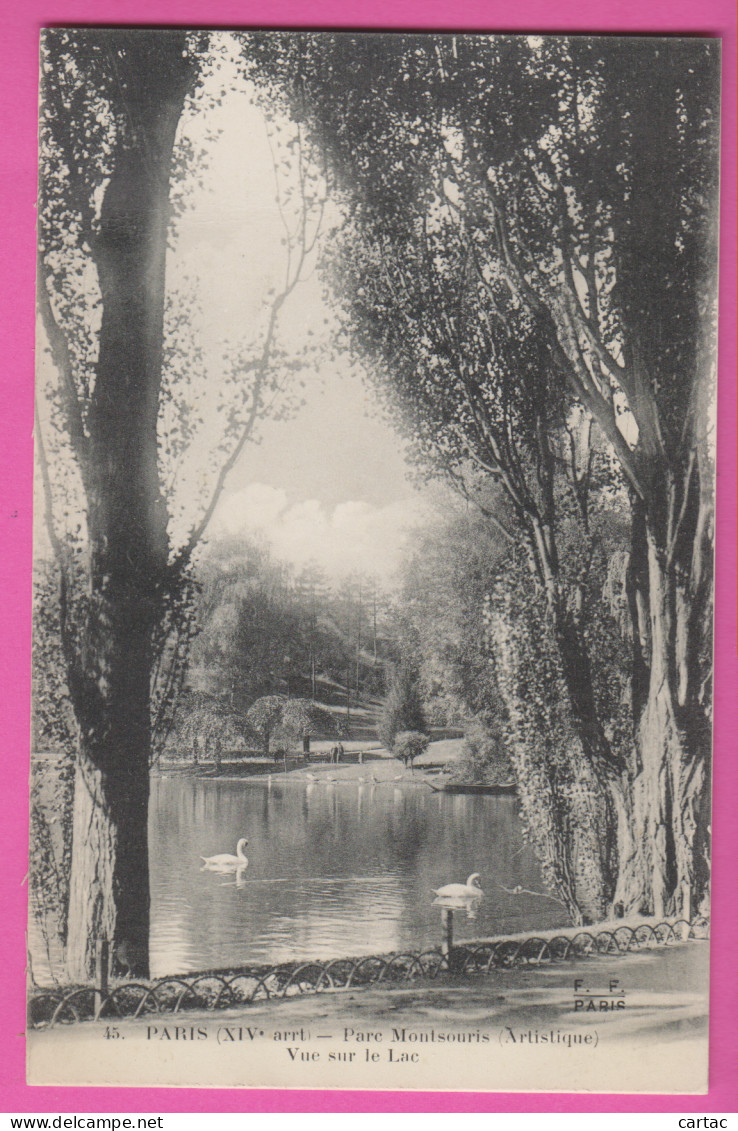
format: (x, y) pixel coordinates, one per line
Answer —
(373, 597)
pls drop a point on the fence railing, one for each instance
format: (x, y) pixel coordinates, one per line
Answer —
(210, 991)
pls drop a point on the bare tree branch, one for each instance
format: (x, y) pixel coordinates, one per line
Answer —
(261, 372)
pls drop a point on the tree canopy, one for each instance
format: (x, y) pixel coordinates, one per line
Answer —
(530, 245)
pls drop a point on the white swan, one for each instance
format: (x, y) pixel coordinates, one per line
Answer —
(470, 889)
(225, 862)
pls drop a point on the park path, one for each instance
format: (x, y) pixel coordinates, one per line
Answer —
(516, 1029)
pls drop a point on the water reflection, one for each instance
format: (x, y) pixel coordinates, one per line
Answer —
(339, 870)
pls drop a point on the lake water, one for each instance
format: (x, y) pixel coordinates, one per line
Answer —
(333, 871)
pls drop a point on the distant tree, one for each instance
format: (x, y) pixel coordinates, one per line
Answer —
(268, 653)
(250, 641)
(448, 569)
(409, 745)
(204, 722)
(301, 718)
(403, 707)
(264, 718)
(313, 593)
(533, 230)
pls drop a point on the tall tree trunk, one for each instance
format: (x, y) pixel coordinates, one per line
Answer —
(127, 517)
(109, 889)
(671, 788)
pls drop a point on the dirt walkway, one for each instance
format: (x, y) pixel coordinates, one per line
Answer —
(635, 1022)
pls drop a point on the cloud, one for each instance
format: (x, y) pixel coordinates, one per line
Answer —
(353, 535)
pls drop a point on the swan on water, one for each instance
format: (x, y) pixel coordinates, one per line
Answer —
(462, 891)
(225, 861)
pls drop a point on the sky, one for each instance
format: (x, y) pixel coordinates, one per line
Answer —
(330, 482)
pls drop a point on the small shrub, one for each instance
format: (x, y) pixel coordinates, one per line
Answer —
(301, 718)
(409, 745)
(484, 759)
(403, 708)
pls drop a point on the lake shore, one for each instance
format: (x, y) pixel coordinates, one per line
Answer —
(438, 764)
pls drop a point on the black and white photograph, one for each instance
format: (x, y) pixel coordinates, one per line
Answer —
(374, 538)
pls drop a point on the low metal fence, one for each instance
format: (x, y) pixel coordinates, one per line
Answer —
(219, 990)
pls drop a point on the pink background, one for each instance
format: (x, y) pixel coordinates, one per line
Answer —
(18, 92)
